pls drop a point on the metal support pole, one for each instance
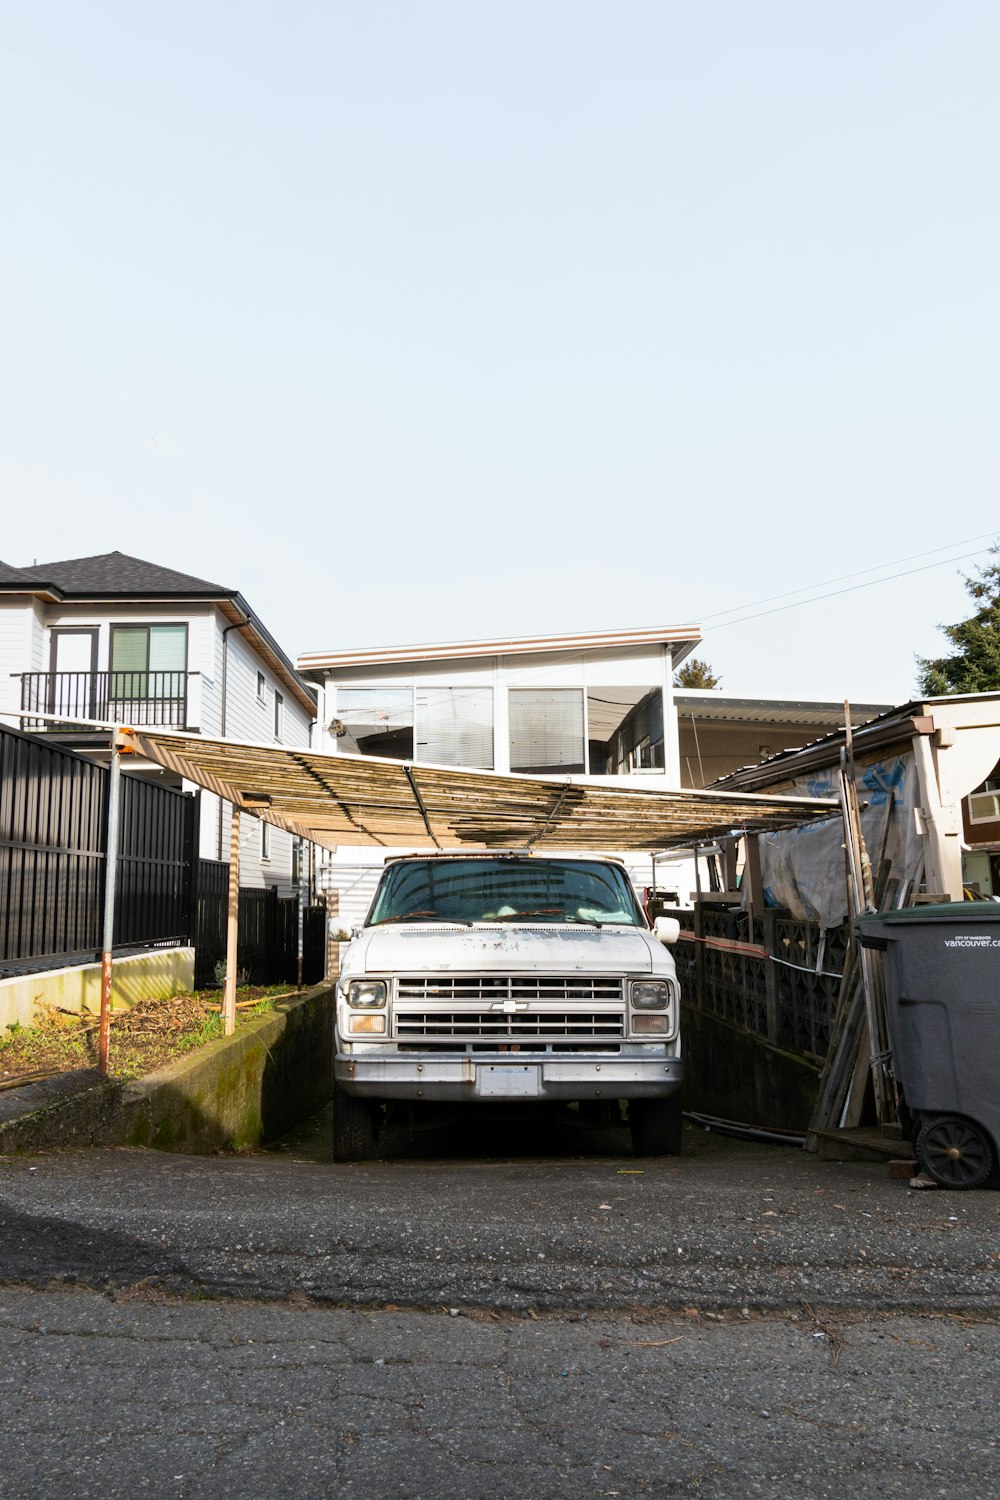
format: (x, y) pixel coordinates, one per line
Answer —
(301, 913)
(232, 927)
(110, 878)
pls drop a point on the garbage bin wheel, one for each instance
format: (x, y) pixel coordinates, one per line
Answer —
(355, 1127)
(657, 1126)
(957, 1153)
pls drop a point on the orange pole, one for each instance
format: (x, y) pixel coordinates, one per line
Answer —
(110, 875)
(232, 927)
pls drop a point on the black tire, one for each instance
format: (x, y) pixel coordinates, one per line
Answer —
(957, 1153)
(657, 1126)
(355, 1127)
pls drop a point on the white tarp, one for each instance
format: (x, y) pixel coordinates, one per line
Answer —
(803, 868)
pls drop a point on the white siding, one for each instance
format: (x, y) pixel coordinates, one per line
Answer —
(633, 667)
(18, 650)
(249, 718)
(353, 872)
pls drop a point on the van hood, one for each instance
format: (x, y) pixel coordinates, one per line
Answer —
(506, 949)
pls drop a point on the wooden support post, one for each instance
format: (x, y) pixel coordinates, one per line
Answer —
(110, 877)
(731, 851)
(753, 877)
(771, 976)
(232, 927)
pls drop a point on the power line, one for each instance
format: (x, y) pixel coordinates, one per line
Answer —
(861, 572)
(780, 608)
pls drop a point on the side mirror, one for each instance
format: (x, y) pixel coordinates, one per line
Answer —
(666, 929)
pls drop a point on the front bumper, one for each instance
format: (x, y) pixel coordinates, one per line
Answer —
(638, 1071)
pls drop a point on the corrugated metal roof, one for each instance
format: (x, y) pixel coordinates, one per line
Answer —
(704, 706)
(318, 661)
(359, 800)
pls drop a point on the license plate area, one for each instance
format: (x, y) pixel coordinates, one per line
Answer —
(507, 1080)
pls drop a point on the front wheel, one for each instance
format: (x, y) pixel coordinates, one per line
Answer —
(355, 1127)
(657, 1126)
(957, 1153)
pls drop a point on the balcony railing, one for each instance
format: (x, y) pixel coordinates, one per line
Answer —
(148, 698)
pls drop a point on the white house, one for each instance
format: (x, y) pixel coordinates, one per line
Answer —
(115, 637)
(596, 706)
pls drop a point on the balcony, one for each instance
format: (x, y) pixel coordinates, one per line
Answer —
(164, 699)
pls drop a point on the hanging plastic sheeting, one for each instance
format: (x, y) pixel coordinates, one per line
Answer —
(803, 868)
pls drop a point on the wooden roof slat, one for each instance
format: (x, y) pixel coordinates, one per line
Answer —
(356, 800)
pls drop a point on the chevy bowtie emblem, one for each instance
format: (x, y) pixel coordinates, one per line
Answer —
(509, 1007)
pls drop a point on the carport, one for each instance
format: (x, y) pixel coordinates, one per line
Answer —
(335, 800)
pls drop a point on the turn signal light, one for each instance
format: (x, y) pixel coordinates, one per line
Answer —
(647, 1024)
(362, 1025)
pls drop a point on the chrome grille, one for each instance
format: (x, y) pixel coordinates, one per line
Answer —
(501, 1009)
(488, 989)
(496, 1026)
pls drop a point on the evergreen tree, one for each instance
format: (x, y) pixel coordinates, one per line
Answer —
(974, 667)
(696, 674)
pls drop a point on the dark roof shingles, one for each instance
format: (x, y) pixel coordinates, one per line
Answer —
(12, 576)
(117, 573)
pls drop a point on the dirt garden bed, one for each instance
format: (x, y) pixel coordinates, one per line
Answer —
(142, 1039)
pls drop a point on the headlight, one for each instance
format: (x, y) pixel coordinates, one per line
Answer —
(650, 994)
(363, 994)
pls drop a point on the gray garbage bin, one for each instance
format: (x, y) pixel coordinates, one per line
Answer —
(942, 980)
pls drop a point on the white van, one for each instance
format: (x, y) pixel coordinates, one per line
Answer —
(511, 976)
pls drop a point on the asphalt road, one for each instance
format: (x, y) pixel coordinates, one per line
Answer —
(469, 1318)
(724, 1226)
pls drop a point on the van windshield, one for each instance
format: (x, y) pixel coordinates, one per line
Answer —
(505, 890)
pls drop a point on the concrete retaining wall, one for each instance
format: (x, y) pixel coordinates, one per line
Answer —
(156, 975)
(229, 1095)
(736, 1076)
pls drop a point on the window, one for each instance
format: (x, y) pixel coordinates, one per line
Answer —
(546, 729)
(984, 803)
(375, 721)
(491, 890)
(149, 664)
(447, 726)
(296, 861)
(265, 840)
(261, 687)
(624, 730)
(279, 716)
(455, 726)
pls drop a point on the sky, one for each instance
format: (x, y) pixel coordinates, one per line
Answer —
(424, 320)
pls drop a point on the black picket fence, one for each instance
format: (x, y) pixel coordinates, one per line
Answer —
(268, 933)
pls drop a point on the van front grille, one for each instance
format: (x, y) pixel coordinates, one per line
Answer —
(489, 989)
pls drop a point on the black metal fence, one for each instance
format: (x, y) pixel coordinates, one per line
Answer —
(267, 952)
(775, 977)
(53, 835)
(53, 832)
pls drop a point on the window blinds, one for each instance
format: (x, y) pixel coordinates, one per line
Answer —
(546, 729)
(455, 726)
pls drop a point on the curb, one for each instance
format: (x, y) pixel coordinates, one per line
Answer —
(230, 1095)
